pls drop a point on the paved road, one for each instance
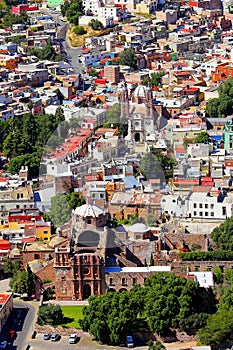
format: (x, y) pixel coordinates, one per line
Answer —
(72, 53)
(21, 320)
(25, 314)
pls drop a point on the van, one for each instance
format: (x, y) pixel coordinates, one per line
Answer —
(129, 341)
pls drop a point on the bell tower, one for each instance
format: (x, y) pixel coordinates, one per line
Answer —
(124, 101)
(149, 102)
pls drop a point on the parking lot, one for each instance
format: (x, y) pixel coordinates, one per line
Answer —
(63, 344)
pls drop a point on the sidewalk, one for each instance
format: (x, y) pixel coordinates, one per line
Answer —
(67, 302)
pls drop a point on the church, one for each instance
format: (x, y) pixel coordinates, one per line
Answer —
(80, 268)
(143, 114)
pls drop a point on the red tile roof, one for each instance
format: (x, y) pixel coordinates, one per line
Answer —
(29, 239)
(3, 298)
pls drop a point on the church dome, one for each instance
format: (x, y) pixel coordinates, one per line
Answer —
(140, 91)
(87, 210)
(139, 228)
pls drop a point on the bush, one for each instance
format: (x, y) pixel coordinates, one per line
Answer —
(217, 255)
(195, 246)
(95, 24)
(50, 314)
(79, 30)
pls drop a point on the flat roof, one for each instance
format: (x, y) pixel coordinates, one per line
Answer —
(4, 297)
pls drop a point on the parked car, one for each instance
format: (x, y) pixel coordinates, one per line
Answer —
(73, 338)
(55, 337)
(47, 336)
(3, 344)
(129, 341)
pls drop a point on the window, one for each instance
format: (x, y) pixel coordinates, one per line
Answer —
(63, 278)
(211, 206)
(200, 213)
(89, 221)
(200, 205)
(86, 271)
(224, 211)
(134, 281)
(123, 281)
(206, 213)
(111, 281)
(173, 201)
(206, 206)
(194, 213)
(36, 256)
(194, 205)
(212, 213)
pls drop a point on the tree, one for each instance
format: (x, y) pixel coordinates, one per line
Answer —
(10, 18)
(60, 211)
(114, 118)
(93, 72)
(31, 280)
(18, 282)
(59, 115)
(151, 221)
(72, 10)
(127, 58)
(10, 268)
(166, 301)
(222, 106)
(151, 260)
(50, 314)
(223, 235)
(23, 140)
(212, 107)
(79, 30)
(219, 328)
(229, 276)
(151, 168)
(226, 88)
(156, 79)
(111, 316)
(166, 163)
(75, 200)
(95, 24)
(218, 275)
(170, 302)
(22, 281)
(201, 137)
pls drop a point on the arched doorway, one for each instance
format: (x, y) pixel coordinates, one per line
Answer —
(123, 290)
(86, 291)
(111, 290)
(137, 137)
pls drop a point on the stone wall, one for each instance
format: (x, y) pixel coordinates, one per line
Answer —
(28, 256)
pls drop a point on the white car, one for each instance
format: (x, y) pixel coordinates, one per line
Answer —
(73, 338)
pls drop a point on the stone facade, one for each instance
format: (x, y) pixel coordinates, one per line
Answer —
(79, 276)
